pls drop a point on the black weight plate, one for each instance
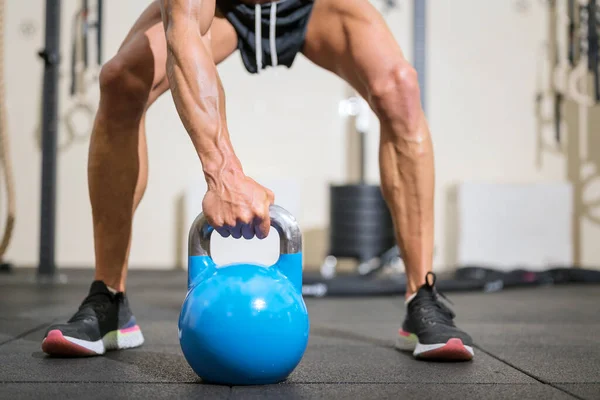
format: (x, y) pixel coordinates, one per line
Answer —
(376, 195)
(361, 234)
(355, 190)
(358, 206)
(345, 242)
(359, 201)
(371, 231)
(357, 237)
(367, 197)
(359, 241)
(361, 254)
(360, 217)
(370, 237)
(368, 251)
(360, 213)
(340, 224)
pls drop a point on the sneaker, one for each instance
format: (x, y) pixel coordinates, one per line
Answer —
(428, 329)
(103, 322)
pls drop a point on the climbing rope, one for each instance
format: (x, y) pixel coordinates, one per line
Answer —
(5, 162)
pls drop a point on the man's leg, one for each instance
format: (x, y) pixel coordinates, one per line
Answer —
(118, 161)
(351, 39)
(118, 171)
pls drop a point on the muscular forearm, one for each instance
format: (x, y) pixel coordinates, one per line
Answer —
(199, 98)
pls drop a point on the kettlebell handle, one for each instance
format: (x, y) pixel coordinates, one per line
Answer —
(290, 237)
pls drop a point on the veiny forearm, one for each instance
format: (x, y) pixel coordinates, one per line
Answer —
(199, 98)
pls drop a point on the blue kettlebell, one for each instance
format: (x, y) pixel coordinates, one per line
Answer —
(244, 324)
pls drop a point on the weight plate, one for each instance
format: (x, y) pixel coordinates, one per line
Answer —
(351, 232)
(361, 253)
(355, 190)
(360, 215)
(358, 207)
(350, 227)
(360, 241)
(364, 200)
(361, 226)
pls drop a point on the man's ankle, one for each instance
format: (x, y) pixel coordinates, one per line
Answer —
(409, 296)
(414, 282)
(413, 286)
(113, 285)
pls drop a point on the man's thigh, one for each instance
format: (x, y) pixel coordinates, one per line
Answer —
(351, 39)
(144, 50)
(223, 38)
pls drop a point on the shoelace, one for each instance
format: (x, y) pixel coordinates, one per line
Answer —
(96, 302)
(434, 309)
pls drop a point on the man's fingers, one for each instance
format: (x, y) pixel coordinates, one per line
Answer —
(219, 226)
(223, 231)
(236, 231)
(262, 227)
(271, 196)
(248, 231)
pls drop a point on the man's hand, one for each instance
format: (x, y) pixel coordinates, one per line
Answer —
(237, 205)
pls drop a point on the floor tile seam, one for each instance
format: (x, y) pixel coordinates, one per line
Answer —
(531, 375)
(362, 383)
(27, 332)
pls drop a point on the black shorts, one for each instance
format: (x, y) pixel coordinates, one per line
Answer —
(291, 19)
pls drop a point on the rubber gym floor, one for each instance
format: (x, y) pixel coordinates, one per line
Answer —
(534, 343)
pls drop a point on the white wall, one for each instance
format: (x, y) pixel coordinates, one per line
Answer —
(482, 82)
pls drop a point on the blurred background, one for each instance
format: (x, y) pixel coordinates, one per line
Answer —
(508, 194)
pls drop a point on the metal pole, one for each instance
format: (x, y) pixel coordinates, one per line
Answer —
(420, 47)
(51, 57)
(99, 31)
(362, 157)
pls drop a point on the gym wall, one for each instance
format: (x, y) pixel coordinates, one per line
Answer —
(285, 125)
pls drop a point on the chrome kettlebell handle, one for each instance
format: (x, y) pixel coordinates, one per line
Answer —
(290, 237)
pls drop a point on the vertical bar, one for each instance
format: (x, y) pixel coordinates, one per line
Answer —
(572, 38)
(99, 23)
(420, 47)
(51, 56)
(85, 10)
(592, 37)
(362, 155)
(555, 57)
(74, 37)
(597, 66)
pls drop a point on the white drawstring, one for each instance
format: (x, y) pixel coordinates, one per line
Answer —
(258, 35)
(272, 42)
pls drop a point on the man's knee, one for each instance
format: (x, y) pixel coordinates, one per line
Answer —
(122, 84)
(394, 96)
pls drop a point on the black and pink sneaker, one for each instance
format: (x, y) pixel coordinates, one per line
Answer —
(429, 331)
(103, 322)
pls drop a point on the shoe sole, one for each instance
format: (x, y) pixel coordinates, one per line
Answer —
(453, 350)
(56, 344)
